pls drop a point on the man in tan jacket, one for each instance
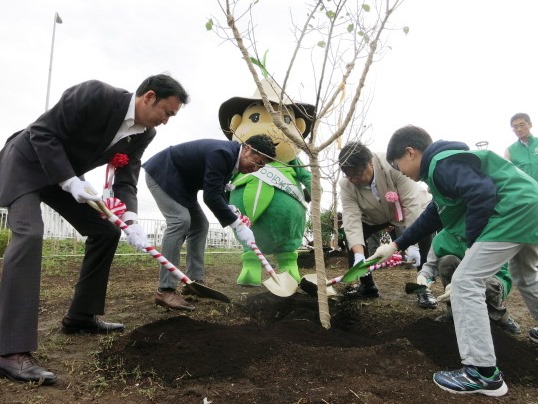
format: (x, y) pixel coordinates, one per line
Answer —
(368, 193)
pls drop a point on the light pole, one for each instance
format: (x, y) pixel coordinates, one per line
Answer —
(57, 20)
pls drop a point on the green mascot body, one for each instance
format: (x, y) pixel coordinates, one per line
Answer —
(273, 197)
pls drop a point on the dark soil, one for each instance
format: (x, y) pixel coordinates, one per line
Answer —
(261, 348)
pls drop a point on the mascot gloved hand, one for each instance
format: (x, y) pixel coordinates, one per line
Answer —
(272, 197)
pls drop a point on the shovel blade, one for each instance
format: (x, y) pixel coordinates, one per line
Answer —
(283, 284)
(309, 285)
(411, 287)
(357, 271)
(205, 291)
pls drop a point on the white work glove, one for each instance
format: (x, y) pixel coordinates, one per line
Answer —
(422, 280)
(445, 297)
(137, 237)
(242, 233)
(358, 258)
(82, 191)
(384, 251)
(413, 253)
(234, 209)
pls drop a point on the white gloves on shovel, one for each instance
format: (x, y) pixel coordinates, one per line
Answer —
(384, 252)
(422, 280)
(82, 191)
(242, 233)
(445, 297)
(358, 258)
(413, 253)
(137, 237)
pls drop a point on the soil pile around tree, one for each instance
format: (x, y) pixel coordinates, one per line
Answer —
(261, 348)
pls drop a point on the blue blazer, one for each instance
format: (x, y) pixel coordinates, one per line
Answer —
(207, 165)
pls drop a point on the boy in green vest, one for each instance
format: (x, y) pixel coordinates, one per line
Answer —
(484, 199)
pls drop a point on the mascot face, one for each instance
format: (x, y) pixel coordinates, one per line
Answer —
(256, 120)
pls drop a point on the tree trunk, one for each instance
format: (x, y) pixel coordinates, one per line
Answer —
(323, 303)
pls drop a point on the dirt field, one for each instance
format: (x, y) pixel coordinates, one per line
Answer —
(260, 348)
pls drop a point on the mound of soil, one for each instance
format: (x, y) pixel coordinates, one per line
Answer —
(261, 348)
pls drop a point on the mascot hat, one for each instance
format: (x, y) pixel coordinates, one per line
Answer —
(236, 105)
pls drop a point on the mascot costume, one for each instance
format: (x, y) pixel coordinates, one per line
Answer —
(273, 197)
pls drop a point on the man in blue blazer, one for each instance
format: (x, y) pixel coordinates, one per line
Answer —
(46, 162)
(174, 176)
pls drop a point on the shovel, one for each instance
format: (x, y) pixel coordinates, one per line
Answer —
(309, 284)
(196, 288)
(282, 284)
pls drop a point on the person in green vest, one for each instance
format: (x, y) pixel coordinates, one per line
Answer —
(524, 152)
(486, 200)
(445, 255)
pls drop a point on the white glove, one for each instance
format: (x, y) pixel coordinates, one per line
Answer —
(243, 233)
(422, 280)
(137, 237)
(358, 258)
(234, 209)
(445, 297)
(384, 251)
(82, 191)
(413, 253)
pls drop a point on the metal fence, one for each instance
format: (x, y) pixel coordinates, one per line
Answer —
(57, 228)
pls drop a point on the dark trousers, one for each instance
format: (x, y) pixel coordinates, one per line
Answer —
(21, 274)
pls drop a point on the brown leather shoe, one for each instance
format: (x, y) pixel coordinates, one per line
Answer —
(91, 326)
(172, 300)
(23, 367)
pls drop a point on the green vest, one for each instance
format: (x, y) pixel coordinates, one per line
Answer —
(514, 218)
(445, 243)
(526, 157)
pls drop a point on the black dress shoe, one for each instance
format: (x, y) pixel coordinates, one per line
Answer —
(361, 291)
(23, 367)
(92, 326)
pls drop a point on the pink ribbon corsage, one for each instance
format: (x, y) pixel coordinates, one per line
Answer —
(393, 197)
(118, 160)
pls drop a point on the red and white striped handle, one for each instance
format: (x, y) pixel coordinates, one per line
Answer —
(149, 249)
(265, 263)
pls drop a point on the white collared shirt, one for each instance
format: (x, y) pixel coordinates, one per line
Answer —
(236, 168)
(128, 127)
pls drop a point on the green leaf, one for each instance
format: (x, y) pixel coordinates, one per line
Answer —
(330, 14)
(406, 30)
(366, 7)
(322, 44)
(350, 28)
(209, 24)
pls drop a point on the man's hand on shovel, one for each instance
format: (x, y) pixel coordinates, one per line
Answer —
(384, 252)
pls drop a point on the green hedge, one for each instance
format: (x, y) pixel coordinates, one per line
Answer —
(4, 238)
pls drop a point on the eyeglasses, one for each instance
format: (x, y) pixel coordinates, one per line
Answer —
(394, 165)
(257, 164)
(352, 177)
(522, 125)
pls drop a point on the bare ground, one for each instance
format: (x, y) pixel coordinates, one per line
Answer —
(261, 348)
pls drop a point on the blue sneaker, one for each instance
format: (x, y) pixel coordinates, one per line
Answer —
(467, 381)
(533, 334)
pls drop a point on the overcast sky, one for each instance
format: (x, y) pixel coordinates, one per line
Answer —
(462, 71)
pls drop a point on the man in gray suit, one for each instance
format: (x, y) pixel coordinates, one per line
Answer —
(46, 162)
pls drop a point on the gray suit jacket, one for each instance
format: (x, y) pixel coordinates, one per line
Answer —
(360, 205)
(71, 139)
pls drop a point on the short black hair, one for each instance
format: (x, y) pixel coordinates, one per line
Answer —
(164, 86)
(262, 144)
(521, 115)
(408, 136)
(354, 158)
